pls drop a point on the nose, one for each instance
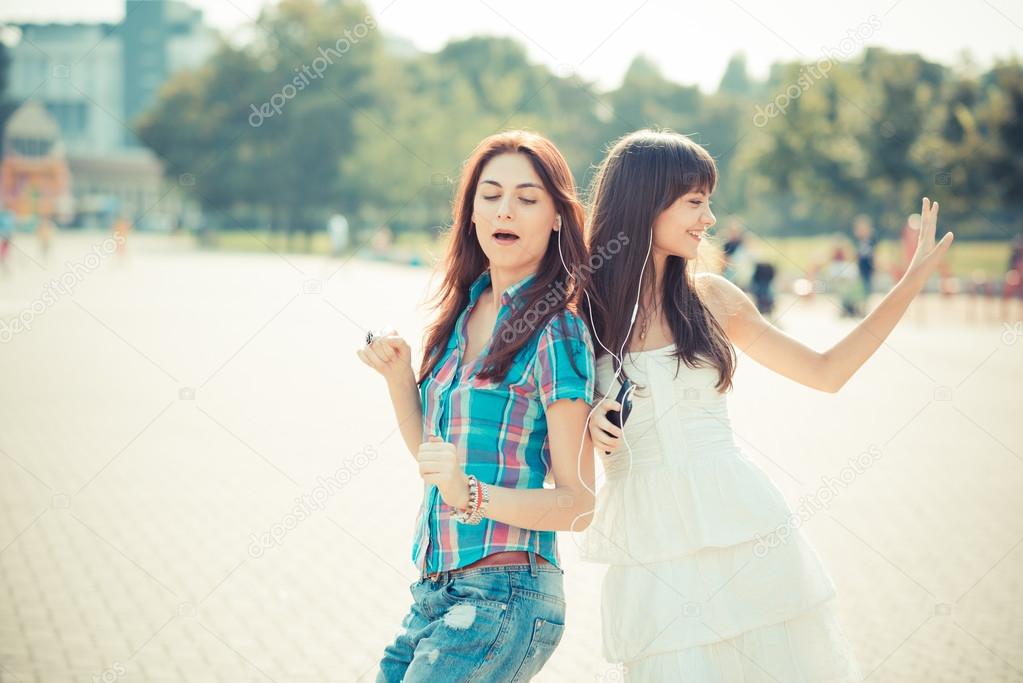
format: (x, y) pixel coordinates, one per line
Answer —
(504, 208)
(708, 218)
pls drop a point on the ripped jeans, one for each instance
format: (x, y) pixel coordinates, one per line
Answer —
(493, 624)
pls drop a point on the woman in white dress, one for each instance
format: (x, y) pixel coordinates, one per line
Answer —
(710, 580)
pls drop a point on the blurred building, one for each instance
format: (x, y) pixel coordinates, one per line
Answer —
(95, 80)
(34, 174)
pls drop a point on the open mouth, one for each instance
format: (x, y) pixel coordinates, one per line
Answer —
(695, 234)
(505, 237)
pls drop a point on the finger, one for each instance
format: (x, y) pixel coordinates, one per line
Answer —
(432, 456)
(426, 455)
(603, 423)
(943, 245)
(436, 447)
(371, 353)
(371, 359)
(383, 350)
(396, 344)
(432, 466)
(609, 427)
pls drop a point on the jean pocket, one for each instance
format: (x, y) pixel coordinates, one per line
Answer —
(546, 637)
(480, 589)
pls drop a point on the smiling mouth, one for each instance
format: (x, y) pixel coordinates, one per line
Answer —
(695, 234)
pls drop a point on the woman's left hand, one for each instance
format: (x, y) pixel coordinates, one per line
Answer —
(928, 254)
(438, 464)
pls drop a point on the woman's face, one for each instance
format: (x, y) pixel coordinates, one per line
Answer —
(513, 213)
(679, 229)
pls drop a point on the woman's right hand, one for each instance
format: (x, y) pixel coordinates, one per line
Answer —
(390, 355)
(606, 436)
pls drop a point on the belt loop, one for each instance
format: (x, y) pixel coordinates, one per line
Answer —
(532, 563)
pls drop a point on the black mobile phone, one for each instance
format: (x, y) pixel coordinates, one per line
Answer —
(625, 401)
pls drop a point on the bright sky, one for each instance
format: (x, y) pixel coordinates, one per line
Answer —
(691, 41)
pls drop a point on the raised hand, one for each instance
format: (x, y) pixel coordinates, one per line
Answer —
(390, 355)
(928, 254)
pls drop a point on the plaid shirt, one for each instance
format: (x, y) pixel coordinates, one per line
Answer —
(498, 428)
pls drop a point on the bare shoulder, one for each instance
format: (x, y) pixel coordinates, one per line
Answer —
(723, 299)
(715, 290)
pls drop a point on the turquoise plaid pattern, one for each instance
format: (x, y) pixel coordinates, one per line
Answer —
(499, 428)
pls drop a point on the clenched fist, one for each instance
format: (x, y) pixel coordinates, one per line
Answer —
(390, 355)
(439, 465)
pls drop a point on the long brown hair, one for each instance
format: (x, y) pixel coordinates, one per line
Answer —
(642, 175)
(549, 295)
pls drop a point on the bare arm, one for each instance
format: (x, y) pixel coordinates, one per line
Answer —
(830, 370)
(391, 356)
(567, 507)
(408, 409)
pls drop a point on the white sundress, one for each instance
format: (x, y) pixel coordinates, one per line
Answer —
(709, 580)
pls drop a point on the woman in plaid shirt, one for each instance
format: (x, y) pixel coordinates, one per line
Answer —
(500, 404)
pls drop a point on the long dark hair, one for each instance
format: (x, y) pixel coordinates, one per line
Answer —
(641, 176)
(550, 294)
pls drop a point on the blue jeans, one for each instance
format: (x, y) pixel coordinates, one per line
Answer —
(497, 624)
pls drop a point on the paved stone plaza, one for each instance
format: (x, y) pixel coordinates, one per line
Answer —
(199, 481)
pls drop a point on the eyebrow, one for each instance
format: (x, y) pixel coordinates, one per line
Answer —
(520, 185)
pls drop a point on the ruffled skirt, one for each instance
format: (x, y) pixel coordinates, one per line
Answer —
(711, 579)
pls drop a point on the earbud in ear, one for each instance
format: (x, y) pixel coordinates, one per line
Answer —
(557, 222)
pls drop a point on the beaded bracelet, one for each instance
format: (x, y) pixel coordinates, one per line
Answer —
(464, 516)
(482, 500)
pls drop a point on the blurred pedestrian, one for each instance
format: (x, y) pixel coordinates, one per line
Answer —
(762, 287)
(337, 227)
(842, 282)
(866, 243)
(6, 235)
(122, 226)
(739, 263)
(44, 236)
